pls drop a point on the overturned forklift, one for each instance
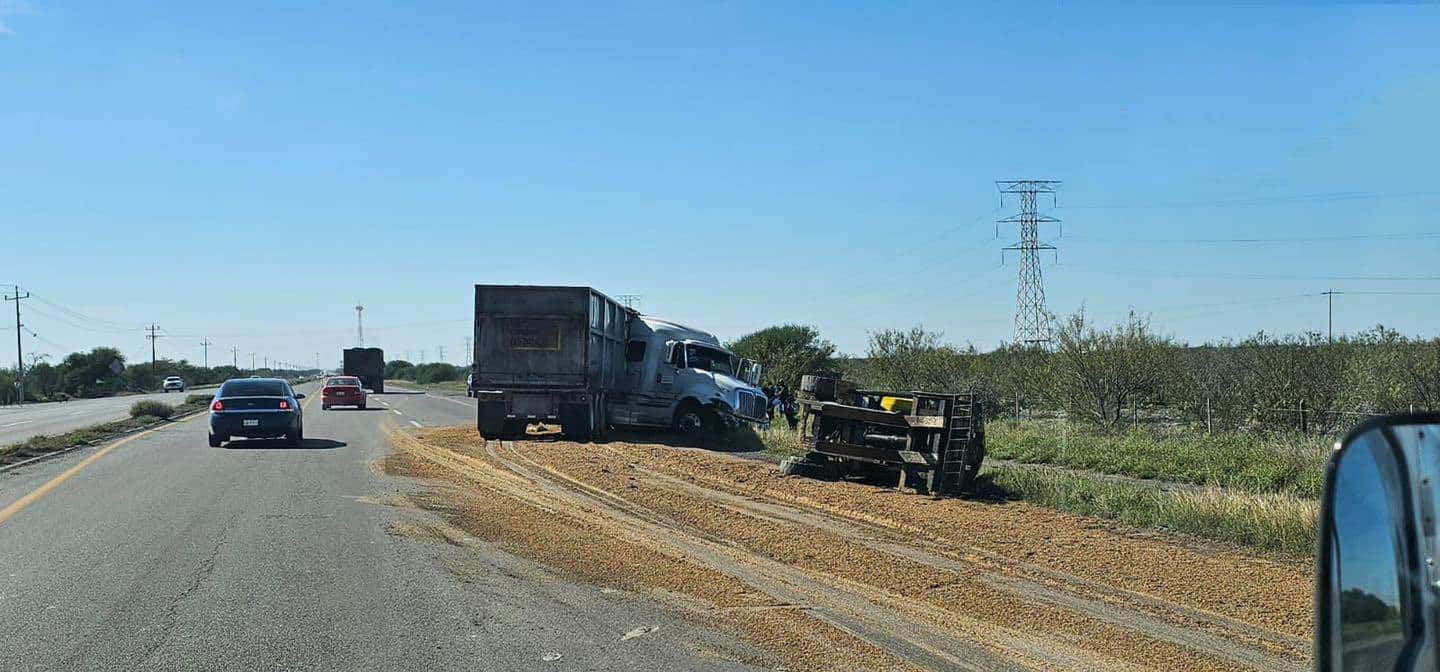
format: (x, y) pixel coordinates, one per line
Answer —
(935, 441)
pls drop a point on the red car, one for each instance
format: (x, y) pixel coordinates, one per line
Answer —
(342, 391)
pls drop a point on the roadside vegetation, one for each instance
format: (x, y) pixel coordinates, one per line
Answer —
(1279, 524)
(424, 374)
(1283, 463)
(153, 409)
(94, 374)
(99, 433)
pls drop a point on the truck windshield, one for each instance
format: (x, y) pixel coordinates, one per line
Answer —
(709, 359)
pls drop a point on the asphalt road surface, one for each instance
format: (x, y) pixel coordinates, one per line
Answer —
(18, 423)
(160, 553)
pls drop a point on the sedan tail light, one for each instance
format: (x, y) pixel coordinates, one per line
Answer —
(217, 406)
(284, 405)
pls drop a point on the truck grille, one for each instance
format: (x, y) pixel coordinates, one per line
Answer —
(751, 405)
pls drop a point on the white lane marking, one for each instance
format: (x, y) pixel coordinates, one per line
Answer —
(22, 422)
(76, 413)
(396, 411)
(382, 403)
(416, 423)
(453, 400)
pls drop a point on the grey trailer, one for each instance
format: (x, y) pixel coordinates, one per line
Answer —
(546, 354)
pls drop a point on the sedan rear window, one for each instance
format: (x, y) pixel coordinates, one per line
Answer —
(337, 382)
(253, 388)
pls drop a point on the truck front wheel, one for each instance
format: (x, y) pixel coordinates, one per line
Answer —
(690, 420)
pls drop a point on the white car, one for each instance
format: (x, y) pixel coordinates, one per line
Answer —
(173, 383)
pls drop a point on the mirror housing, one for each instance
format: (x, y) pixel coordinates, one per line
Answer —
(1376, 580)
(299, 395)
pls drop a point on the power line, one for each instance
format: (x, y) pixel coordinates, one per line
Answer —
(1285, 240)
(1329, 197)
(205, 344)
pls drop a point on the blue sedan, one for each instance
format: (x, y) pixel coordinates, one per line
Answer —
(256, 408)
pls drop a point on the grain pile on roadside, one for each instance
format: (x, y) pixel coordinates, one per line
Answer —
(1040, 588)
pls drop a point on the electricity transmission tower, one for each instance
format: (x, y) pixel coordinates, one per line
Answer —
(630, 300)
(359, 326)
(1032, 320)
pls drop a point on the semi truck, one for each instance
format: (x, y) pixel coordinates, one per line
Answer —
(575, 357)
(367, 364)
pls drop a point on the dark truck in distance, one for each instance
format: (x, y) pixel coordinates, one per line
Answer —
(367, 364)
(577, 357)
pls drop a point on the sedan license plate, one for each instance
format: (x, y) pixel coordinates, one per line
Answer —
(250, 423)
(340, 393)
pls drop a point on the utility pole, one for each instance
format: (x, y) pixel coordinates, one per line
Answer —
(267, 361)
(1330, 311)
(19, 356)
(206, 345)
(235, 358)
(152, 336)
(252, 362)
(317, 362)
(359, 326)
(442, 352)
(1032, 320)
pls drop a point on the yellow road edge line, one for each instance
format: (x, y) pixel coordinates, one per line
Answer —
(33, 496)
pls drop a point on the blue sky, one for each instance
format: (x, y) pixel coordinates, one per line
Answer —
(246, 172)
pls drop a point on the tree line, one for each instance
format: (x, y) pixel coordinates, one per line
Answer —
(1110, 375)
(103, 371)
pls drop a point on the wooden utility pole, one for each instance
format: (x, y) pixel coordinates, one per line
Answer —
(19, 356)
(152, 336)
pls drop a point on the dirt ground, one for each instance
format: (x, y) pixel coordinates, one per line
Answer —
(840, 575)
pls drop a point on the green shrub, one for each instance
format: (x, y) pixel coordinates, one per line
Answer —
(198, 400)
(156, 409)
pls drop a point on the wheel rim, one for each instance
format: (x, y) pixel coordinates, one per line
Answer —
(689, 422)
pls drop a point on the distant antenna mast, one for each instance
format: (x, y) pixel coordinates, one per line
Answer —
(359, 326)
(630, 300)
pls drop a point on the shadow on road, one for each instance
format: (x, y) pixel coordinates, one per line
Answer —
(282, 444)
(398, 392)
(352, 408)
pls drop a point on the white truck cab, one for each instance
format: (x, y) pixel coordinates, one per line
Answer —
(680, 377)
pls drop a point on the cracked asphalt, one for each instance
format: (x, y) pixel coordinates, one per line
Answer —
(165, 554)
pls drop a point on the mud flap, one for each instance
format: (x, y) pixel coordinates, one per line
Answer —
(490, 419)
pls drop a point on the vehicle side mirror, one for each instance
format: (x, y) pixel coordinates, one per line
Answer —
(299, 396)
(1375, 596)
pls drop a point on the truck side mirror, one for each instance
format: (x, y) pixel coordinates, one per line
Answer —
(1376, 601)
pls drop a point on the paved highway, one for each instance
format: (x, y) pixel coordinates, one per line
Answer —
(18, 423)
(158, 552)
